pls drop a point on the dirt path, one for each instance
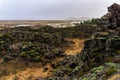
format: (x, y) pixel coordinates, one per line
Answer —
(75, 48)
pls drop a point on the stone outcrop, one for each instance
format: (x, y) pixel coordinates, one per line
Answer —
(44, 45)
(101, 48)
(30, 44)
(112, 19)
(102, 72)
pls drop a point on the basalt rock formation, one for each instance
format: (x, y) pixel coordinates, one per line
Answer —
(43, 45)
(103, 47)
(30, 45)
(111, 20)
(114, 17)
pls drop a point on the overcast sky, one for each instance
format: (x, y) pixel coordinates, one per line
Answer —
(52, 9)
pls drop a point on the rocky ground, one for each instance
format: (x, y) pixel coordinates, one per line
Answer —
(79, 53)
(102, 48)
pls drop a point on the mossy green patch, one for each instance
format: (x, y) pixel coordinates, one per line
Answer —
(112, 64)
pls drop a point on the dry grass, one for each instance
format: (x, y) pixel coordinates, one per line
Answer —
(115, 77)
(24, 71)
(20, 70)
(28, 73)
(75, 48)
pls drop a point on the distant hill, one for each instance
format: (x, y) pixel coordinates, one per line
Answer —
(80, 18)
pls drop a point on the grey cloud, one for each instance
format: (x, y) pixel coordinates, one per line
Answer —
(53, 9)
